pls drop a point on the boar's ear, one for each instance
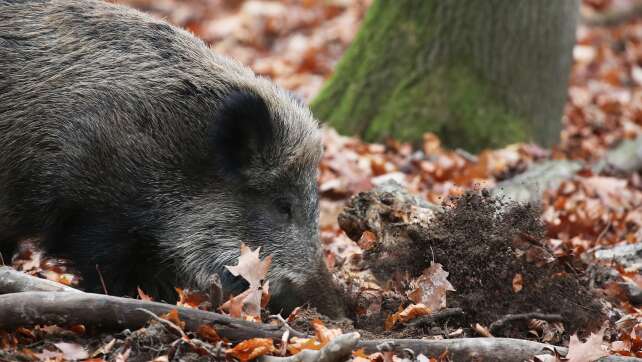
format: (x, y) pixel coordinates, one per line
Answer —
(241, 130)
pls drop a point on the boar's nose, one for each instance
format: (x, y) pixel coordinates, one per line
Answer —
(327, 299)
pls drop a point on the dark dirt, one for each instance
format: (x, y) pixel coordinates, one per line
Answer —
(483, 243)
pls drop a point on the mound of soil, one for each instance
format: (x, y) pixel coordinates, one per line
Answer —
(493, 250)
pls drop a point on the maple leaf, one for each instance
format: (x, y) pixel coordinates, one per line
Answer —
(431, 287)
(590, 350)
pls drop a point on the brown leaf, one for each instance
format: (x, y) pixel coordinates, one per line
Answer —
(322, 333)
(297, 344)
(590, 350)
(191, 299)
(431, 287)
(518, 283)
(406, 314)
(251, 349)
(173, 317)
(208, 333)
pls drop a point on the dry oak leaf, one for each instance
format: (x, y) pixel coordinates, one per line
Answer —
(590, 350)
(251, 267)
(431, 287)
(251, 349)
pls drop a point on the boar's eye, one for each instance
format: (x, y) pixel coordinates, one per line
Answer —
(284, 207)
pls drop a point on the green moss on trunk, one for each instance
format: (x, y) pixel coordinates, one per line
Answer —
(479, 73)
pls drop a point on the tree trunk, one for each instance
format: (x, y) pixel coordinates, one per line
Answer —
(479, 73)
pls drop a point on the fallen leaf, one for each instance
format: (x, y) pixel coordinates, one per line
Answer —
(590, 350)
(482, 330)
(250, 267)
(173, 317)
(251, 349)
(208, 333)
(324, 334)
(297, 344)
(407, 314)
(191, 299)
(72, 351)
(518, 283)
(431, 287)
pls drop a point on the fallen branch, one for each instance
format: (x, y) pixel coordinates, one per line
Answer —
(13, 281)
(108, 312)
(437, 316)
(467, 349)
(339, 349)
(501, 323)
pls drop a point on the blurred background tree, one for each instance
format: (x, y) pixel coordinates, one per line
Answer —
(478, 73)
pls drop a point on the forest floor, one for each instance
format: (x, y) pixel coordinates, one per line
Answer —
(478, 260)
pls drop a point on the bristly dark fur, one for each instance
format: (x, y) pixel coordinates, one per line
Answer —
(128, 145)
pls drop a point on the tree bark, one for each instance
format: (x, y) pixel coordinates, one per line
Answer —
(115, 313)
(479, 73)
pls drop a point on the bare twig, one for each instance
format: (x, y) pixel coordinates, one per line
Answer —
(102, 281)
(164, 321)
(284, 323)
(500, 323)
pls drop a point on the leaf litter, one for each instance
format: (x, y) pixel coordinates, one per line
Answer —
(586, 213)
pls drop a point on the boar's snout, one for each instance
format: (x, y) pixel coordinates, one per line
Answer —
(318, 289)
